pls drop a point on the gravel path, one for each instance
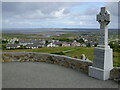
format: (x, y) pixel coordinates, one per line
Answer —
(43, 75)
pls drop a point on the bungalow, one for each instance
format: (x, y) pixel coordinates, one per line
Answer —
(66, 44)
(9, 46)
(75, 43)
(58, 44)
(13, 40)
(83, 45)
(39, 44)
(25, 42)
(52, 45)
(33, 46)
(91, 43)
(30, 41)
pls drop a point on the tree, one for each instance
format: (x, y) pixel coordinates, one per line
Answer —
(88, 45)
(3, 46)
(4, 41)
(96, 44)
(80, 41)
(114, 46)
(16, 42)
(65, 39)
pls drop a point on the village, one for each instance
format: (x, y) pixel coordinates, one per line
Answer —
(33, 43)
(39, 43)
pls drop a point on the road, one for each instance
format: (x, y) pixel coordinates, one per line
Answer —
(44, 75)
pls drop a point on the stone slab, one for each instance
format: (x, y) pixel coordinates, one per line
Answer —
(99, 73)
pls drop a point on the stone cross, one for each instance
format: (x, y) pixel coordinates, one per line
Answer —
(103, 18)
(103, 54)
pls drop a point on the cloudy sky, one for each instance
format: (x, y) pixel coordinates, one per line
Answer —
(55, 14)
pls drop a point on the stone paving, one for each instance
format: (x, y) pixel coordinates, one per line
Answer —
(44, 75)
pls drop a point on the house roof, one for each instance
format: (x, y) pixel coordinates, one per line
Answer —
(31, 45)
(31, 41)
(12, 45)
(57, 43)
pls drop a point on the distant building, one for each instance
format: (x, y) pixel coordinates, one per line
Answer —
(9, 46)
(32, 46)
(52, 45)
(91, 43)
(66, 44)
(36, 45)
(59, 43)
(31, 42)
(24, 42)
(83, 45)
(75, 43)
(13, 40)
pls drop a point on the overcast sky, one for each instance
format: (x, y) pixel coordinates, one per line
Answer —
(55, 15)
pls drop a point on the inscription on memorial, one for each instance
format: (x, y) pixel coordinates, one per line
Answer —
(98, 58)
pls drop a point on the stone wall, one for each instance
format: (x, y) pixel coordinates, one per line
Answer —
(115, 74)
(80, 65)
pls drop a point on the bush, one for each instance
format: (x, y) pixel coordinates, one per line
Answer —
(80, 41)
(16, 42)
(114, 46)
(88, 45)
(4, 41)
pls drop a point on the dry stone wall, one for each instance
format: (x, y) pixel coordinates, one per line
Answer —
(80, 65)
(115, 74)
(74, 63)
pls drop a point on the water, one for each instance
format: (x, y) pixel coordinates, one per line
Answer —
(47, 29)
(36, 30)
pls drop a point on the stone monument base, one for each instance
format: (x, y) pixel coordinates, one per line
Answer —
(99, 73)
(102, 63)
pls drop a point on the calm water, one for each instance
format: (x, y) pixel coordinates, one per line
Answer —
(36, 30)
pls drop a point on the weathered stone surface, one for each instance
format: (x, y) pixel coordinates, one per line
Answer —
(103, 58)
(115, 74)
(80, 65)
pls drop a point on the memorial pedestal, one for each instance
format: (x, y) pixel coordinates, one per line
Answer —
(99, 73)
(102, 63)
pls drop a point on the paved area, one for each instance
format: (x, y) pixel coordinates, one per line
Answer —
(43, 75)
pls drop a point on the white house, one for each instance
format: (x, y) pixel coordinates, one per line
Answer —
(31, 46)
(9, 46)
(52, 45)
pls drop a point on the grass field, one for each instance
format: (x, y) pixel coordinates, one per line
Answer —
(68, 51)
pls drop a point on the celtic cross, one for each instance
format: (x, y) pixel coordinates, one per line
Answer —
(104, 19)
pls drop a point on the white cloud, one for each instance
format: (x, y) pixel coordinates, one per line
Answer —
(71, 23)
(7, 21)
(60, 0)
(59, 13)
(24, 22)
(54, 14)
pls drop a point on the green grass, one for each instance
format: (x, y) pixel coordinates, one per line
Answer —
(75, 51)
(116, 57)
